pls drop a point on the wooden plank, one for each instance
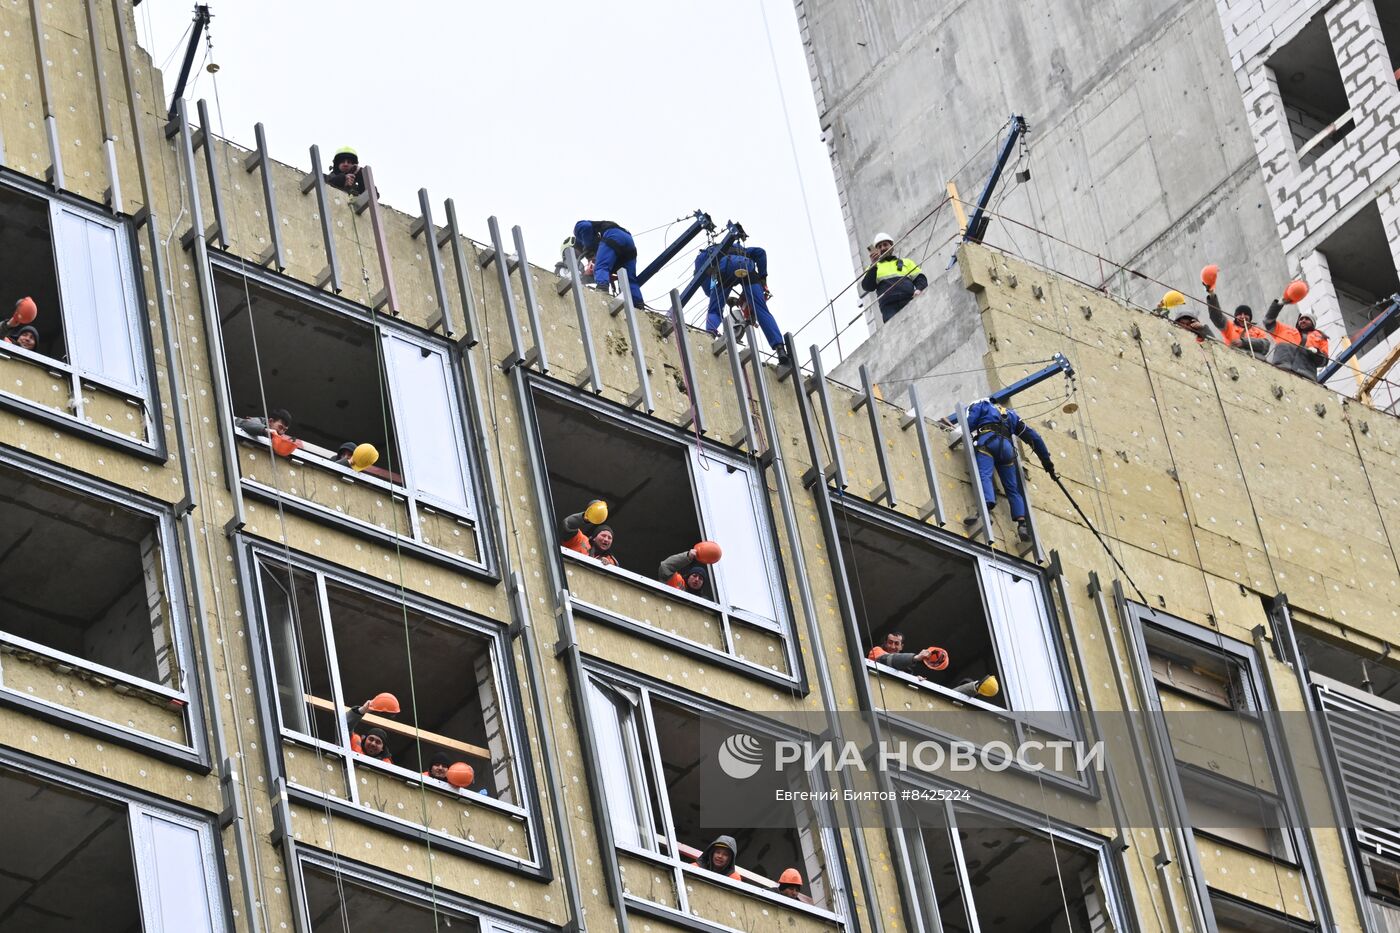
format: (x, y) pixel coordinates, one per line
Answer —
(958, 211)
(398, 728)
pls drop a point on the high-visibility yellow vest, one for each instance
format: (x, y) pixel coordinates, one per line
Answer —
(895, 268)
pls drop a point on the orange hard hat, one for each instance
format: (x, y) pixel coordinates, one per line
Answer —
(1209, 275)
(460, 774)
(937, 659)
(1296, 291)
(707, 552)
(790, 876)
(25, 311)
(283, 445)
(385, 703)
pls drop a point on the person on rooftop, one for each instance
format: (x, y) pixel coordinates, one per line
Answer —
(1238, 331)
(1301, 348)
(1173, 305)
(345, 172)
(895, 281)
(278, 421)
(607, 247)
(745, 267)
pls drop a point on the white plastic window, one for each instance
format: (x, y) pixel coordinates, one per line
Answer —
(1025, 644)
(98, 295)
(179, 888)
(613, 734)
(428, 424)
(733, 516)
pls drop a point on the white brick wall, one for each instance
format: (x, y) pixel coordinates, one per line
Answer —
(1309, 201)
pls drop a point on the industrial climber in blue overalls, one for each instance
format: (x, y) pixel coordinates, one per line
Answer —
(610, 248)
(746, 267)
(993, 428)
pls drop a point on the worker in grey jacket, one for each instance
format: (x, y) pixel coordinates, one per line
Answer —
(278, 421)
(1300, 349)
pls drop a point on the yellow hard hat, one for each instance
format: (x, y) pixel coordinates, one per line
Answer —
(1173, 299)
(365, 455)
(597, 512)
(989, 686)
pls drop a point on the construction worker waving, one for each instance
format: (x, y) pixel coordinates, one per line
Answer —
(895, 281)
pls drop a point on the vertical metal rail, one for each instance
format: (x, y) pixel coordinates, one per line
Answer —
(194, 238)
(424, 227)
(532, 305)
(233, 801)
(741, 397)
(255, 160)
(389, 295)
(464, 280)
(109, 145)
(1034, 544)
(696, 416)
(836, 470)
(1163, 757)
(1141, 758)
(55, 173)
(497, 255)
(317, 182)
(204, 139)
(964, 437)
(915, 418)
(589, 376)
(1327, 762)
(867, 400)
(642, 396)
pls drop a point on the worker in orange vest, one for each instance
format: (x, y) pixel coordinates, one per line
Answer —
(372, 742)
(1300, 349)
(589, 535)
(1240, 331)
(687, 570)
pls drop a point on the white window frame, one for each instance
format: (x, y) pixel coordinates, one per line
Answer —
(1011, 646)
(154, 881)
(68, 289)
(666, 851)
(400, 400)
(710, 509)
(340, 747)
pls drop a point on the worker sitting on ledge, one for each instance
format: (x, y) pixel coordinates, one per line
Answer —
(689, 570)
(892, 654)
(895, 281)
(607, 247)
(993, 428)
(747, 268)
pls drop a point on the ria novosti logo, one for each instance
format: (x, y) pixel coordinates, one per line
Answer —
(740, 756)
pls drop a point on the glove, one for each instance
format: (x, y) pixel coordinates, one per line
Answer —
(1049, 466)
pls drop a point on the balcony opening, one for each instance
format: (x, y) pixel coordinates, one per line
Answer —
(443, 675)
(1233, 915)
(1314, 98)
(85, 577)
(74, 870)
(339, 904)
(324, 368)
(1013, 878)
(645, 481)
(1363, 271)
(1194, 673)
(1347, 664)
(637, 731)
(26, 242)
(990, 618)
(1236, 813)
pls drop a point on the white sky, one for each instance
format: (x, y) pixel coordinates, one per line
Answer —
(543, 113)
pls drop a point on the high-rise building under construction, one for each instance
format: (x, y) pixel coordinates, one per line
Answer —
(304, 621)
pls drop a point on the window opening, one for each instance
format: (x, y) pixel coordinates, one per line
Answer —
(1363, 271)
(340, 904)
(120, 617)
(459, 713)
(985, 615)
(1314, 98)
(673, 736)
(1012, 878)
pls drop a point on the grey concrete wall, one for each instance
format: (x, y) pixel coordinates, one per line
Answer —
(1140, 149)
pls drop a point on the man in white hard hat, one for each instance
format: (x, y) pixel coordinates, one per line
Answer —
(895, 281)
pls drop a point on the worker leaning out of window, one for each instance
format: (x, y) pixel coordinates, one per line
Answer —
(895, 281)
